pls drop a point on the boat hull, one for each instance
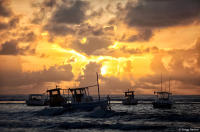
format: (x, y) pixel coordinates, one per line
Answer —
(87, 106)
(36, 103)
(127, 102)
(167, 105)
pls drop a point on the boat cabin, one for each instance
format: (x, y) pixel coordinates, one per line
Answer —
(55, 97)
(129, 98)
(36, 97)
(163, 100)
(129, 94)
(163, 95)
(80, 95)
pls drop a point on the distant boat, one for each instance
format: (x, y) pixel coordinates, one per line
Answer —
(163, 98)
(81, 100)
(36, 100)
(129, 98)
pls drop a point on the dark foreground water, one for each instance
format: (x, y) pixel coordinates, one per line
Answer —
(142, 117)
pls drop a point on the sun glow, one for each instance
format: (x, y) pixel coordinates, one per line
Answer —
(84, 40)
(44, 33)
(103, 70)
(114, 46)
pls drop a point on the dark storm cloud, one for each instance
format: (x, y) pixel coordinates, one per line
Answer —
(5, 11)
(39, 16)
(86, 29)
(8, 25)
(161, 13)
(92, 44)
(28, 37)
(41, 10)
(70, 13)
(9, 48)
(49, 3)
(66, 15)
(58, 29)
(19, 78)
(143, 35)
(3, 25)
(12, 47)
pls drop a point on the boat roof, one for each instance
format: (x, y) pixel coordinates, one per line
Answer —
(163, 92)
(55, 89)
(36, 95)
(82, 88)
(129, 92)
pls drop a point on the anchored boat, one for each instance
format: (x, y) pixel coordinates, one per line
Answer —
(37, 100)
(163, 98)
(129, 98)
(81, 100)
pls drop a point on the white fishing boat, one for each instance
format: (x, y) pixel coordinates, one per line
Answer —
(36, 100)
(129, 98)
(81, 100)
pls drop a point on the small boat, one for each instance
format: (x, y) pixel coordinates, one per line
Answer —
(81, 100)
(163, 100)
(55, 97)
(37, 100)
(129, 98)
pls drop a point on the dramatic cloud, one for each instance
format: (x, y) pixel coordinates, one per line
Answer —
(9, 48)
(12, 47)
(49, 3)
(41, 10)
(16, 77)
(5, 11)
(129, 43)
(58, 30)
(64, 16)
(154, 13)
(91, 45)
(143, 35)
(182, 66)
(108, 85)
(70, 13)
(8, 25)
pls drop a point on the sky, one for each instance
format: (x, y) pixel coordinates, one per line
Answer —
(131, 44)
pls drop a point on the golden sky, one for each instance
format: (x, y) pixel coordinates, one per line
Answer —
(130, 44)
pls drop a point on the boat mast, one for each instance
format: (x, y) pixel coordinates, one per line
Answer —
(161, 82)
(98, 85)
(169, 84)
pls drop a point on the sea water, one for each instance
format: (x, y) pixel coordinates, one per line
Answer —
(142, 117)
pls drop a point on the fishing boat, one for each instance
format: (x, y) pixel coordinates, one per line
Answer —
(129, 98)
(36, 100)
(81, 100)
(163, 98)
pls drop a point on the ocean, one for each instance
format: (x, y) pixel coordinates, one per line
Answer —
(16, 116)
